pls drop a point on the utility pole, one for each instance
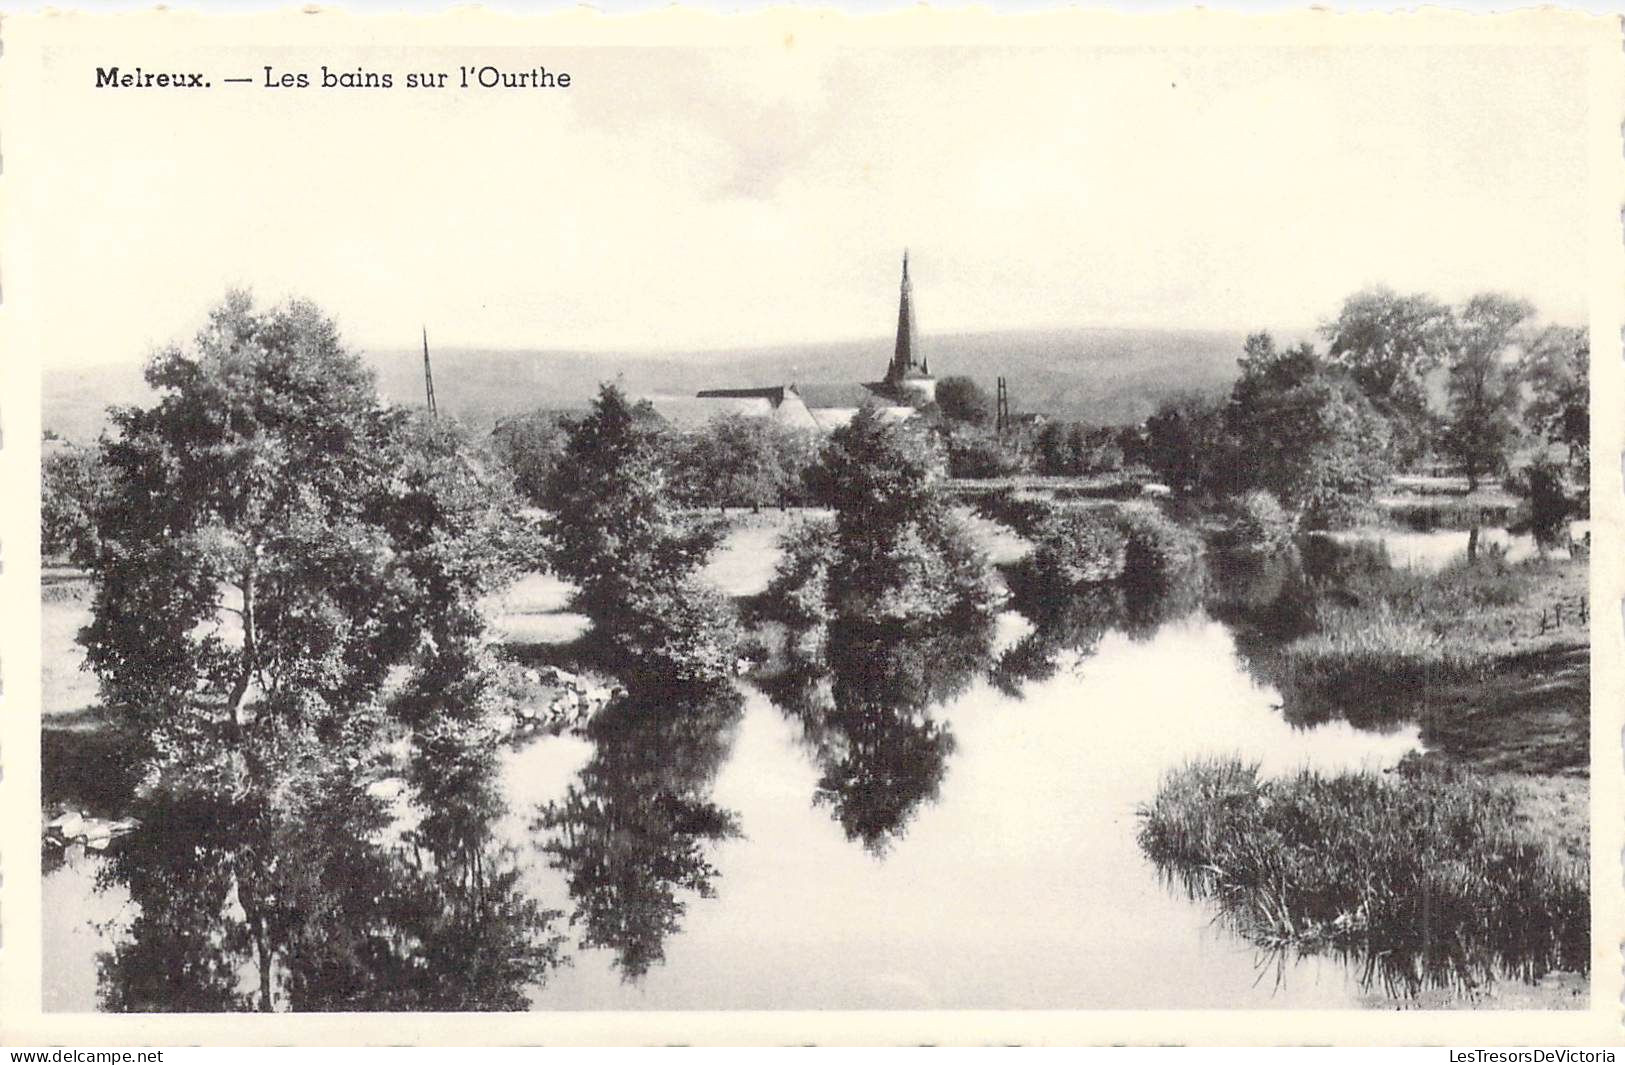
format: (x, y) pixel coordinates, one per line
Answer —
(428, 376)
(1002, 418)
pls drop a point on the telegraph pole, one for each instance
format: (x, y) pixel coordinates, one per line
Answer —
(428, 376)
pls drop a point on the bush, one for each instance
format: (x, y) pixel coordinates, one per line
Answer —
(1425, 864)
(1026, 515)
(976, 455)
(1550, 508)
(800, 585)
(900, 553)
(1260, 522)
(924, 571)
(1078, 546)
(686, 633)
(1158, 548)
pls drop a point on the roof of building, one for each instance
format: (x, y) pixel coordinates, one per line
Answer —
(690, 411)
(842, 394)
(773, 394)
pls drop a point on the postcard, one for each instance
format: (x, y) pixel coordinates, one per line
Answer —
(795, 527)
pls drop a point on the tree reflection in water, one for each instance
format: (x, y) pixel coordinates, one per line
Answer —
(293, 891)
(633, 834)
(863, 695)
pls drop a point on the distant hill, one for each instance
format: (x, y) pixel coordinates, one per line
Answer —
(1105, 376)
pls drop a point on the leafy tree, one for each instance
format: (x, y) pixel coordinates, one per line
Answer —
(1303, 432)
(272, 540)
(531, 445)
(961, 399)
(1186, 444)
(1557, 368)
(1483, 385)
(900, 551)
(613, 528)
(737, 460)
(976, 453)
(1389, 343)
(615, 531)
(73, 484)
(1052, 450)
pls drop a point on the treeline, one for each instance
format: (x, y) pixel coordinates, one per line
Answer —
(1403, 382)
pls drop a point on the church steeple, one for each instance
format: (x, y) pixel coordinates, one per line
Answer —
(903, 360)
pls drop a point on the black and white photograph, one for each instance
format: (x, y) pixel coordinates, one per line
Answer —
(816, 522)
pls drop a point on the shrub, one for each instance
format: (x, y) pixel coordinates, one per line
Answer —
(1077, 547)
(800, 584)
(1026, 515)
(1261, 523)
(1426, 864)
(977, 455)
(685, 632)
(922, 571)
(1158, 548)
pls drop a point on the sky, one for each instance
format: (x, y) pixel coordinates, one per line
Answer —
(683, 199)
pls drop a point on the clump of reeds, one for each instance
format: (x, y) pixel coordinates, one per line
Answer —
(1367, 665)
(1422, 863)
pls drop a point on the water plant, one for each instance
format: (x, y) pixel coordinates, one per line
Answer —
(1425, 871)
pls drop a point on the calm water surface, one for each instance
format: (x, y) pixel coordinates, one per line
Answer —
(895, 822)
(1020, 885)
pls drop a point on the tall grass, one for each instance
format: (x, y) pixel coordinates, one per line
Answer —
(1424, 870)
(1370, 665)
(1383, 635)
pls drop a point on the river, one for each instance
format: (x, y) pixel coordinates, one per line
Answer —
(895, 822)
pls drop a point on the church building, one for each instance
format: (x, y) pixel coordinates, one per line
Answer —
(907, 385)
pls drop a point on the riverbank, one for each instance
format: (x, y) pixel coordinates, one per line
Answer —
(1491, 661)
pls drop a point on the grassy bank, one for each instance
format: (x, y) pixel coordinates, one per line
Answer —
(1391, 644)
(1431, 873)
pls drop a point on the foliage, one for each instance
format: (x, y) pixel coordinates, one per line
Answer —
(975, 454)
(800, 583)
(1261, 523)
(900, 552)
(1073, 449)
(1158, 549)
(532, 446)
(740, 461)
(1186, 443)
(1550, 508)
(1426, 872)
(613, 529)
(961, 399)
(1388, 344)
(1557, 368)
(73, 485)
(1077, 546)
(1026, 514)
(273, 541)
(1303, 433)
(684, 633)
(1482, 427)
